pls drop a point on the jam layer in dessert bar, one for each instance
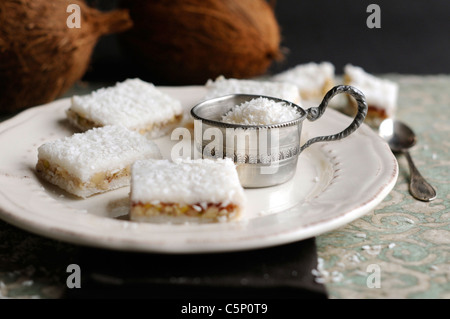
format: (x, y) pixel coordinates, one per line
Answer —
(95, 161)
(185, 190)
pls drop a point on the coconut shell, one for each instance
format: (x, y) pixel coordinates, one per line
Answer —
(40, 56)
(191, 41)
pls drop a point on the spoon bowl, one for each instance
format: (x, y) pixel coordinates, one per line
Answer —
(398, 135)
(401, 138)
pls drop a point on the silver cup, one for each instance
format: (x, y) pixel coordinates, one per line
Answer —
(265, 155)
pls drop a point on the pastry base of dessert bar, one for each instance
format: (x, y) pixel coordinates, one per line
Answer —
(99, 183)
(175, 212)
(151, 130)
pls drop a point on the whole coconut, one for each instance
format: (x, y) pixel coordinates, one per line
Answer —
(191, 41)
(40, 56)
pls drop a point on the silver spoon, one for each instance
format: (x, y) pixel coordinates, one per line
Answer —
(400, 138)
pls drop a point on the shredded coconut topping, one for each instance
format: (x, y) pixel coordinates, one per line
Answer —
(222, 86)
(132, 103)
(261, 111)
(102, 149)
(186, 181)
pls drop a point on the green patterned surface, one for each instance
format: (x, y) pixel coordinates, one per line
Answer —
(407, 241)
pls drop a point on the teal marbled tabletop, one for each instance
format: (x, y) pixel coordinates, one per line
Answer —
(402, 248)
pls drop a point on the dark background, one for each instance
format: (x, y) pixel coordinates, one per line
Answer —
(414, 37)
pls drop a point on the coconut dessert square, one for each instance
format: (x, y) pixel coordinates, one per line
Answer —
(185, 190)
(222, 86)
(381, 94)
(95, 161)
(312, 79)
(135, 104)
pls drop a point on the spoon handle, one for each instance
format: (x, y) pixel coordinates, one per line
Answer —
(418, 186)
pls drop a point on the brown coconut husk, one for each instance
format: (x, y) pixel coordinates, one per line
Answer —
(40, 57)
(190, 41)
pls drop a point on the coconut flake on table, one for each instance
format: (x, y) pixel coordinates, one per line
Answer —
(261, 111)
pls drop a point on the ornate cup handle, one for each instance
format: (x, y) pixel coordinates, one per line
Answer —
(315, 113)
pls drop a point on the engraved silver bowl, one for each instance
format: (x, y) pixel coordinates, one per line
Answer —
(265, 155)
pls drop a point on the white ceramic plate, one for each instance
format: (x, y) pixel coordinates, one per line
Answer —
(335, 183)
